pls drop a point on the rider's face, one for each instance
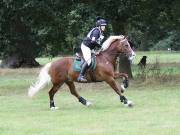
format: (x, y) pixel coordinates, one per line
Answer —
(103, 28)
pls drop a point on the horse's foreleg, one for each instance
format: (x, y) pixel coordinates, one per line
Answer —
(125, 80)
(118, 75)
(52, 92)
(123, 99)
(75, 93)
(113, 84)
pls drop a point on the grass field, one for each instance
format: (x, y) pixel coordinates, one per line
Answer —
(161, 56)
(156, 110)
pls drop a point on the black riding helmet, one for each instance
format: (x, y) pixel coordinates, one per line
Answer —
(101, 22)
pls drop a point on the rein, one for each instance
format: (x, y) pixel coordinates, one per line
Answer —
(108, 58)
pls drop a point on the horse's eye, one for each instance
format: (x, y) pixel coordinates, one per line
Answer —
(126, 45)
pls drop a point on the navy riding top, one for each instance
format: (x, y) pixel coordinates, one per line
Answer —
(98, 37)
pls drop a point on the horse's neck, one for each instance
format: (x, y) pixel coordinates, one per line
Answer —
(111, 54)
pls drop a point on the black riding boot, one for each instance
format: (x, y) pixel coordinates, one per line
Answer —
(84, 68)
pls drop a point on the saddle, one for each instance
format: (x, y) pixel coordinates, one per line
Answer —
(79, 60)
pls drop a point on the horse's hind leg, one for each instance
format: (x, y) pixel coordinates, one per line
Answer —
(52, 92)
(75, 93)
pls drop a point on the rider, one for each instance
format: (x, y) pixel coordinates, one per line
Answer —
(93, 39)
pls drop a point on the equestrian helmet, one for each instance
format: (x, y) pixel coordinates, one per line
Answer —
(101, 22)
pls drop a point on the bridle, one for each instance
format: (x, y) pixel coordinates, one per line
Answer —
(110, 54)
(109, 60)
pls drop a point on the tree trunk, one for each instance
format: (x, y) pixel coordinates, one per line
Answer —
(23, 48)
(125, 65)
(17, 61)
(143, 46)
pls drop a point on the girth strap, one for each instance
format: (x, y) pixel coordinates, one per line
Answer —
(92, 75)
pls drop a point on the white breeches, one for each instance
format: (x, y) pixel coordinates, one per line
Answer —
(86, 53)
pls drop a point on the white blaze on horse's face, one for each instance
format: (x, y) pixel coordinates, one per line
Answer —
(132, 56)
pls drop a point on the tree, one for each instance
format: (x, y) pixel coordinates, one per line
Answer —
(32, 28)
(17, 38)
(125, 66)
(28, 28)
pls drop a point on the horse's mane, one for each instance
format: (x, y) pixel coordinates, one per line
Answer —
(111, 39)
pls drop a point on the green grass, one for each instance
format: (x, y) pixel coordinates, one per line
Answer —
(161, 56)
(156, 109)
(169, 61)
(152, 57)
(45, 60)
(155, 112)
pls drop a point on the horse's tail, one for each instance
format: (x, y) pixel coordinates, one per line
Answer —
(41, 82)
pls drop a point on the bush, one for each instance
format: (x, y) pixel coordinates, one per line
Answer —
(154, 73)
(172, 41)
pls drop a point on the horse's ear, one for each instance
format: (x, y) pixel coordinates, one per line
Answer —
(121, 37)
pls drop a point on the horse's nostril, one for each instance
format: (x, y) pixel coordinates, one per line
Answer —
(133, 54)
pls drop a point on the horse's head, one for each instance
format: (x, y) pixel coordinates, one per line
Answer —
(119, 44)
(124, 47)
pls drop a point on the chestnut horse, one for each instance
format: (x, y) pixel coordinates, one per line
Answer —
(61, 71)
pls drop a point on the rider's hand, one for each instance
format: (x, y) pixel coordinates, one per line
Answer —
(97, 53)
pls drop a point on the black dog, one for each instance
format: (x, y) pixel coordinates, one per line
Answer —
(142, 62)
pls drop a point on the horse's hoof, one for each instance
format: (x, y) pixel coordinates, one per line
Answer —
(129, 104)
(54, 108)
(88, 103)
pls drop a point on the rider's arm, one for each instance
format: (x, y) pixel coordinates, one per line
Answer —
(95, 35)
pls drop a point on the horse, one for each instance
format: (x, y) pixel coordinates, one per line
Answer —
(60, 72)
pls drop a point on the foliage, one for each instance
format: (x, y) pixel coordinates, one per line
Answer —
(32, 28)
